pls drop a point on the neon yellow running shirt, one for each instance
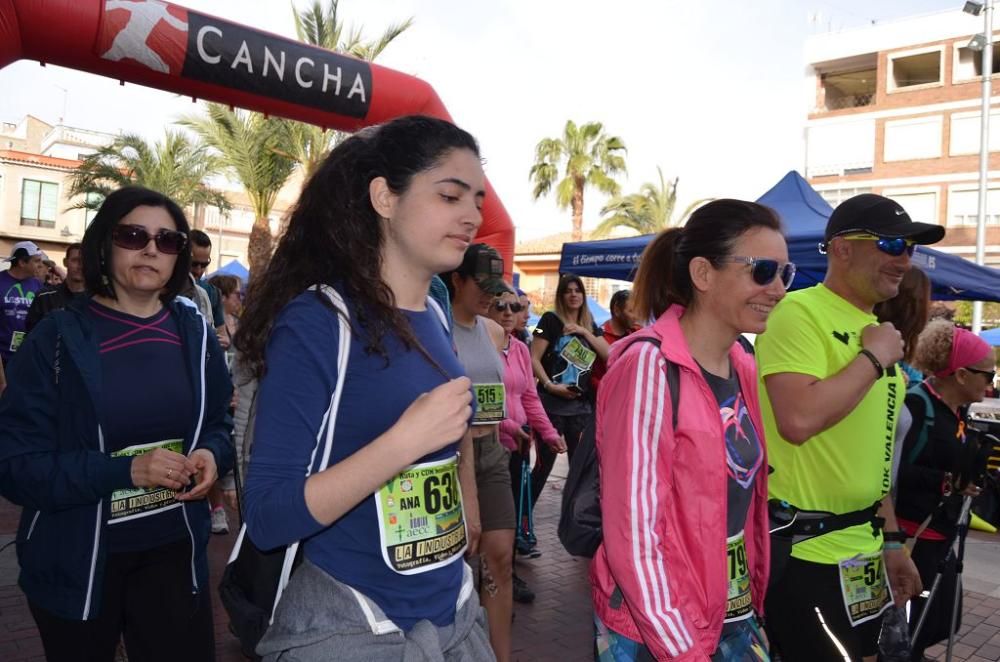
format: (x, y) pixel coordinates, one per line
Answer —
(845, 467)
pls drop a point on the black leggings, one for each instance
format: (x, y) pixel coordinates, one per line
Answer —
(146, 597)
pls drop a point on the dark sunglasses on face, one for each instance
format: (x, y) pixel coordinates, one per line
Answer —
(502, 306)
(894, 247)
(989, 374)
(199, 264)
(136, 237)
(764, 270)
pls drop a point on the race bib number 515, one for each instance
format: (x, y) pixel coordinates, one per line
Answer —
(420, 516)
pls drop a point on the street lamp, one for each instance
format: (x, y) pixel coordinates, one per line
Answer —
(972, 7)
(983, 42)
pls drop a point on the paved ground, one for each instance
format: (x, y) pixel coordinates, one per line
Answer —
(557, 627)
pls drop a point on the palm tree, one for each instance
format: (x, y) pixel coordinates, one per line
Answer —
(648, 211)
(309, 144)
(175, 166)
(592, 158)
(249, 148)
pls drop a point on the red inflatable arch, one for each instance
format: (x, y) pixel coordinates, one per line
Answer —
(172, 48)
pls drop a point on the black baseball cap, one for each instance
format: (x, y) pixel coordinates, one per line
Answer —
(485, 265)
(882, 217)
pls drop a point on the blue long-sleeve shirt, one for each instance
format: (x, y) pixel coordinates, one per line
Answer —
(293, 405)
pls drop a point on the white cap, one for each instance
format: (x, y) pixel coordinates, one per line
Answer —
(27, 248)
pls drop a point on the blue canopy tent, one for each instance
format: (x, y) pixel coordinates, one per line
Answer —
(803, 213)
(992, 336)
(233, 268)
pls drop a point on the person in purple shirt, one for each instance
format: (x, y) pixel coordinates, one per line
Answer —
(18, 287)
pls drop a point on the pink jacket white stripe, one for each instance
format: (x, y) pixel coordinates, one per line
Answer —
(663, 498)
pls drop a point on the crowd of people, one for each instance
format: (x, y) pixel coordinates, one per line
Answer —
(378, 398)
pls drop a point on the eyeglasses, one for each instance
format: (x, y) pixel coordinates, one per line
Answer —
(136, 237)
(894, 247)
(199, 264)
(764, 270)
(502, 306)
(990, 374)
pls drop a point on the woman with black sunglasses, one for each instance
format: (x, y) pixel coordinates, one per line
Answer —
(683, 567)
(931, 481)
(114, 429)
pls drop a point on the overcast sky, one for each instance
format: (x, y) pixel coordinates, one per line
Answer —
(710, 91)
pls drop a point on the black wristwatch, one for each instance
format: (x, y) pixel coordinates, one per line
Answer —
(895, 536)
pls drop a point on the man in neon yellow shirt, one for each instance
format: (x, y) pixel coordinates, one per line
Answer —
(830, 402)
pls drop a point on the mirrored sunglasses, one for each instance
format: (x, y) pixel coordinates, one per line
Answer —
(894, 247)
(136, 237)
(502, 306)
(763, 270)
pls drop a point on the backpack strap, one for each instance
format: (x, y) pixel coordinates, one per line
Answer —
(436, 307)
(673, 377)
(927, 426)
(324, 445)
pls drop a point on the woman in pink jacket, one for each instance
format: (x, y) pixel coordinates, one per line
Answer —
(682, 571)
(524, 409)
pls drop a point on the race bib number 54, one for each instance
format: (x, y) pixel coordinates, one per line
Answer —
(420, 517)
(865, 591)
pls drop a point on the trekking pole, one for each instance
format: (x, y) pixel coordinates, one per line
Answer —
(526, 482)
(955, 549)
(525, 535)
(963, 528)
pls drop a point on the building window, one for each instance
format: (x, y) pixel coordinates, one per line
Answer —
(922, 206)
(837, 195)
(838, 147)
(848, 89)
(963, 207)
(966, 131)
(969, 63)
(909, 139)
(39, 203)
(914, 70)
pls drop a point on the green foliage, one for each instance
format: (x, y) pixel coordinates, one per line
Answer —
(308, 144)
(648, 211)
(583, 157)
(963, 314)
(248, 147)
(175, 166)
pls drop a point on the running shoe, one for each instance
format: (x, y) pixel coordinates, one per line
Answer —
(522, 593)
(527, 549)
(220, 521)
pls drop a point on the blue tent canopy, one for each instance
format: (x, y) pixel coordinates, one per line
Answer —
(992, 336)
(804, 214)
(233, 268)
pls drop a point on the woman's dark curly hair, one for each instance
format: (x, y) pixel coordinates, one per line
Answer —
(334, 234)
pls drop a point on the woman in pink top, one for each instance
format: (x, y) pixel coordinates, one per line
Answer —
(523, 408)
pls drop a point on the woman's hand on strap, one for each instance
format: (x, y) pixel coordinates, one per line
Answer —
(438, 418)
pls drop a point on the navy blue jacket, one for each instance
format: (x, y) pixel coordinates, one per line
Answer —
(52, 459)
